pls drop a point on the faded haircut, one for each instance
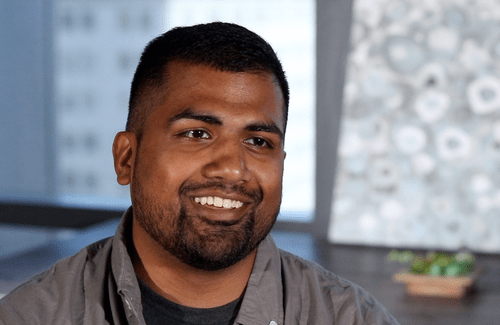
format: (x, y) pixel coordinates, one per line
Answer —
(223, 46)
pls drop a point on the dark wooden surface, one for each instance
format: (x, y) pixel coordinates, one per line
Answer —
(366, 266)
(369, 267)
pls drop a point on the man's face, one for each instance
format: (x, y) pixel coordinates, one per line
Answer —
(206, 180)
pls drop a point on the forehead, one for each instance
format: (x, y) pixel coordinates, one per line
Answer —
(212, 90)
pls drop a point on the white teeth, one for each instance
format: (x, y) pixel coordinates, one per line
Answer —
(218, 202)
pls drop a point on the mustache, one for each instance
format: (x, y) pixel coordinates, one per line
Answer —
(255, 195)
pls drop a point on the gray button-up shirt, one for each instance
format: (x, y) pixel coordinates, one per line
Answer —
(98, 285)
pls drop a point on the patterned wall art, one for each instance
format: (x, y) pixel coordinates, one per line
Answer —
(419, 152)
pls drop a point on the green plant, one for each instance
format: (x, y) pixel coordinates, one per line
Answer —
(436, 263)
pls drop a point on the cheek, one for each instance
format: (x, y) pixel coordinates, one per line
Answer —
(164, 167)
(271, 184)
(270, 179)
(153, 177)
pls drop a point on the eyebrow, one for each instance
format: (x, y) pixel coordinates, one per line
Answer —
(189, 114)
(265, 127)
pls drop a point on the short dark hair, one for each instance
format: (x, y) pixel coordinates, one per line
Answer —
(223, 46)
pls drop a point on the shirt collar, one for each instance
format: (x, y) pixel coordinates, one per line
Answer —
(263, 299)
(122, 268)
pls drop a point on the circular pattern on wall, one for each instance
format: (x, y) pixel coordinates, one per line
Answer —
(431, 105)
(428, 72)
(383, 174)
(454, 143)
(403, 54)
(484, 95)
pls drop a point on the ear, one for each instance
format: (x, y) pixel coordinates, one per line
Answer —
(124, 152)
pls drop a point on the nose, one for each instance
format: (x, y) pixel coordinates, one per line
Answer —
(227, 163)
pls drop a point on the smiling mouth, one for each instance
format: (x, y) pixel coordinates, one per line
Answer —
(218, 202)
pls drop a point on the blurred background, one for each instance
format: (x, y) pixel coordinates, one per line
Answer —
(393, 137)
(88, 51)
(66, 68)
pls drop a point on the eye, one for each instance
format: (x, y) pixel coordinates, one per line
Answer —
(197, 134)
(258, 142)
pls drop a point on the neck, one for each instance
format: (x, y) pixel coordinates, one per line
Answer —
(183, 284)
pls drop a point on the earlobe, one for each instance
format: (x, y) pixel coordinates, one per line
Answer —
(124, 151)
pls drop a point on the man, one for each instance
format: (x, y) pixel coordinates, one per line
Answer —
(203, 154)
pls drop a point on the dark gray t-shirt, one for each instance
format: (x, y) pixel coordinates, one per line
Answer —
(160, 311)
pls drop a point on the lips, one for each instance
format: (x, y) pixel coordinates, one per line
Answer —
(216, 195)
(224, 203)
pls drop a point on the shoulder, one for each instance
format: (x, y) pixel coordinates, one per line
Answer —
(312, 292)
(313, 275)
(57, 291)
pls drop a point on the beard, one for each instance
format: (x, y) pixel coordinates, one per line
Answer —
(197, 241)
